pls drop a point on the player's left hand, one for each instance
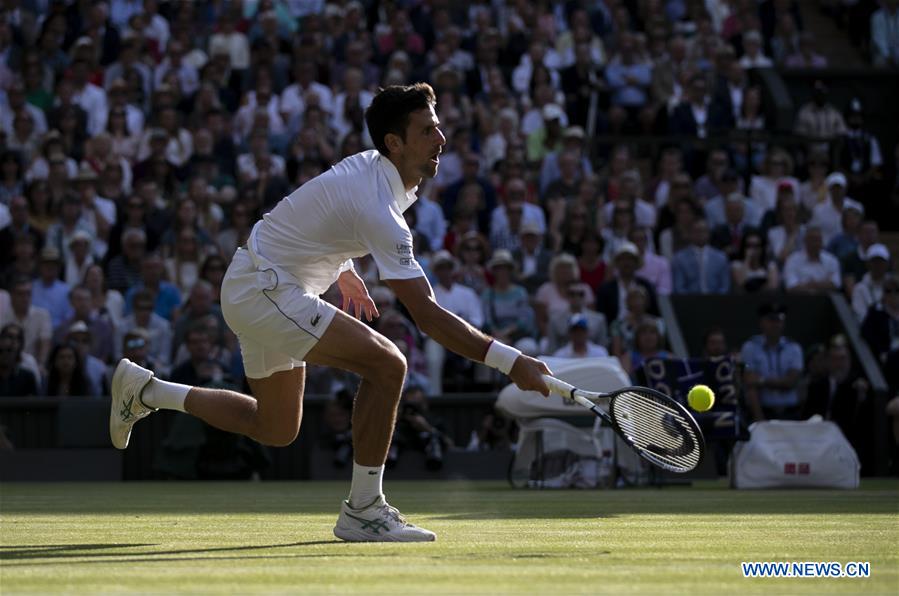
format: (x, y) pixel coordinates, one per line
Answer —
(355, 296)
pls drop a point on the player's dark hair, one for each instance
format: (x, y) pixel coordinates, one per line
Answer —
(390, 109)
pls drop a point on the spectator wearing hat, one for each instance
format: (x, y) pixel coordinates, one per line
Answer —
(846, 242)
(532, 258)
(869, 291)
(611, 299)
(101, 328)
(157, 330)
(860, 155)
(547, 138)
(579, 344)
(34, 320)
(700, 268)
(559, 324)
(460, 300)
(79, 336)
(573, 141)
(812, 269)
(773, 368)
(656, 269)
(50, 292)
(508, 315)
(828, 214)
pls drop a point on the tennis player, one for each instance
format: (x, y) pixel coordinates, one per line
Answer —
(270, 299)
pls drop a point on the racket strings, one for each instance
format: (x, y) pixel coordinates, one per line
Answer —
(658, 429)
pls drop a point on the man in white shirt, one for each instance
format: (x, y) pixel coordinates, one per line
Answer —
(828, 215)
(870, 289)
(812, 269)
(458, 299)
(579, 345)
(271, 299)
(90, 97)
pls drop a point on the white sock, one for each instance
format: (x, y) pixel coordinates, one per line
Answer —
(366, 486)
(165, 395)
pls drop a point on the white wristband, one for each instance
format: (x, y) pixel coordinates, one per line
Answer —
(501, 357)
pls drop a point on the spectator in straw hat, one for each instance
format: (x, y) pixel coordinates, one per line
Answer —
(508, 315)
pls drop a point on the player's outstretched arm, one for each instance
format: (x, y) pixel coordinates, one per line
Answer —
(458, 336)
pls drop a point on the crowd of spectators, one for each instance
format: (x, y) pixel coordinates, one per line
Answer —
(141, 139)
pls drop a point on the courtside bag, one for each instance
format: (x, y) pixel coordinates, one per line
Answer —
(786, 454)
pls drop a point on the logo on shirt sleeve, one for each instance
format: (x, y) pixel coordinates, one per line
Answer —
(404, 250)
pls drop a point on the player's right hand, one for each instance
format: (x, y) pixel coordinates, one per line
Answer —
(527, 374)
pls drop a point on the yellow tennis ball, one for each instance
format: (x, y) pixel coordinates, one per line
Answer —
(701, 398)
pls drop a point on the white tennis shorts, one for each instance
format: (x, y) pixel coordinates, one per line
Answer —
(276, 321)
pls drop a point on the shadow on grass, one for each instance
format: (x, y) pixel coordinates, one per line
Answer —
(65, 551)
(26, 558)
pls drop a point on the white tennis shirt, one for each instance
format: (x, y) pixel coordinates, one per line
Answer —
(353, 209)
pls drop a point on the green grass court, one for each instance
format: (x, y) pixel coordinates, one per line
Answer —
(165, 538)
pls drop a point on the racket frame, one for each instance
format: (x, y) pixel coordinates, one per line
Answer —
(588, 400)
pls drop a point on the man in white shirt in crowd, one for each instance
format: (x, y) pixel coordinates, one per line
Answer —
(504, 235)
(828, 215)
(458, 299)
(579, 344)
(870, 289)
(812, 269)
(34, 320)
(271, 299)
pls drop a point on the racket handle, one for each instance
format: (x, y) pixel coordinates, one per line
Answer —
(560, 387)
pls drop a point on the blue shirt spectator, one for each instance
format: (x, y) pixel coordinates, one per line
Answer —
(168, 298)
(48, 291)
(699, 268)
(629, 78)
(773, 367)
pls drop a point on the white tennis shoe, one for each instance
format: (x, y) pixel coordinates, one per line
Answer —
(379, 522)
(128, 381)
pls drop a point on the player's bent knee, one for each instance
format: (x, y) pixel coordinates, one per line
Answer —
(387, 366)
(278, 436)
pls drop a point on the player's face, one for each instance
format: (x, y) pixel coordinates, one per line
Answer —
(424, 142)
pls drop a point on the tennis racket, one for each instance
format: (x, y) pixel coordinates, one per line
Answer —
(658, 428)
